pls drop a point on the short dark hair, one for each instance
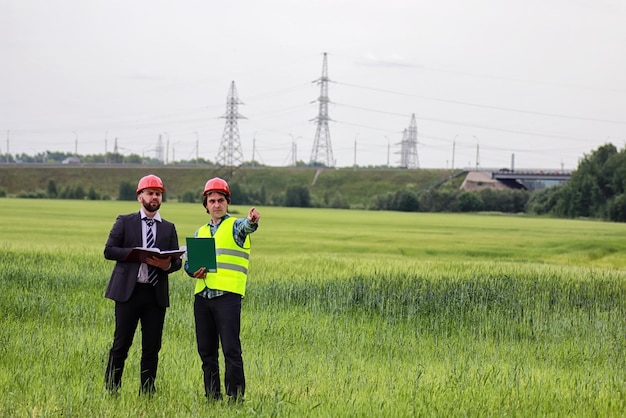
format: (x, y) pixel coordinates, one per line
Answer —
(206, 197)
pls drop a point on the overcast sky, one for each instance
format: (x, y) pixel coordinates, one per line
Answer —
(543, 80)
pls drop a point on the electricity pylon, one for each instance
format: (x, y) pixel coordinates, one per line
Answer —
(408, 146)
(230, 153)
(322, 152)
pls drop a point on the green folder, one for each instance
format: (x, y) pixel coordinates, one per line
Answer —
(201, 253)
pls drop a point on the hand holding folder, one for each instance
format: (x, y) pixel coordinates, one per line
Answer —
(141, 253)
(201, 253)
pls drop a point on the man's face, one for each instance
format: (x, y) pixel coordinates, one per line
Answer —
(216, 204)
(150, 199)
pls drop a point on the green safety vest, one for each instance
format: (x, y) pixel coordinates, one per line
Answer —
(232, 260)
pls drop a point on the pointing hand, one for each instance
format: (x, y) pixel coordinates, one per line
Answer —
(254, 215)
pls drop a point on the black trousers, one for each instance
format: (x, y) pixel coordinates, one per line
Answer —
(219, 320)
(142, 306)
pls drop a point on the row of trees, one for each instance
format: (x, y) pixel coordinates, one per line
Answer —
(57, 157)
(68, 192)
(597, 189)
(454, 200)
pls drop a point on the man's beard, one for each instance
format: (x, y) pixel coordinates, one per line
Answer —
(151, 206)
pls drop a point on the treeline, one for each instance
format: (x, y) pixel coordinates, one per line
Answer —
(453, 200)
(58, 157)
(67, 192)
(597, 189)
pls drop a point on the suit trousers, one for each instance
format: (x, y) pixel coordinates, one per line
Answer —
(142, 306)
(219, 320)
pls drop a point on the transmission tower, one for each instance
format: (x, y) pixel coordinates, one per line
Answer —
(158, 150)
(408, 146)
(230, 153)
(322, 151)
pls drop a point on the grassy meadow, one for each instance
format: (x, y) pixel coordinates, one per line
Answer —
(348, 313)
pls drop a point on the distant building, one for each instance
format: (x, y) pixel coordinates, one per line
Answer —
(71, 160)
(478, 180)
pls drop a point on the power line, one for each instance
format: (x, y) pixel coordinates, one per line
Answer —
(483, 106)
(470, 125)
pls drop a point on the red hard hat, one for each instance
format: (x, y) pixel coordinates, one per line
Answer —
(217, 184)
(150, 182)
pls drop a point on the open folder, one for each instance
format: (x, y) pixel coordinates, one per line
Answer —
(201, 253)
(141, 253)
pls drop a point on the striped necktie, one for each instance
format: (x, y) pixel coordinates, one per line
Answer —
(153, 272)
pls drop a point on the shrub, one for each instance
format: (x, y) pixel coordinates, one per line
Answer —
(127, 191)
(470, 202)
(189, 197)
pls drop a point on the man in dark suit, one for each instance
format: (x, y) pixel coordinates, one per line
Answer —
(140, 290)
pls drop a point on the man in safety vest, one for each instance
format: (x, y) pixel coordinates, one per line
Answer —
(218, 295)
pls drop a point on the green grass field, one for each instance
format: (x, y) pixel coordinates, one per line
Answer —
(347, 313)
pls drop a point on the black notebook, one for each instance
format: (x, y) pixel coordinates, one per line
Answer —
(201, 253)
(141, 253)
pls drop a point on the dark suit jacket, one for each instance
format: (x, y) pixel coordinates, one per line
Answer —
(126, 234)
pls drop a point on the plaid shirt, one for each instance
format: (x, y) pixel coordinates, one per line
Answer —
(242, 227)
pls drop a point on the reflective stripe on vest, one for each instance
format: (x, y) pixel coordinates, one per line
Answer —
(232, 260)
